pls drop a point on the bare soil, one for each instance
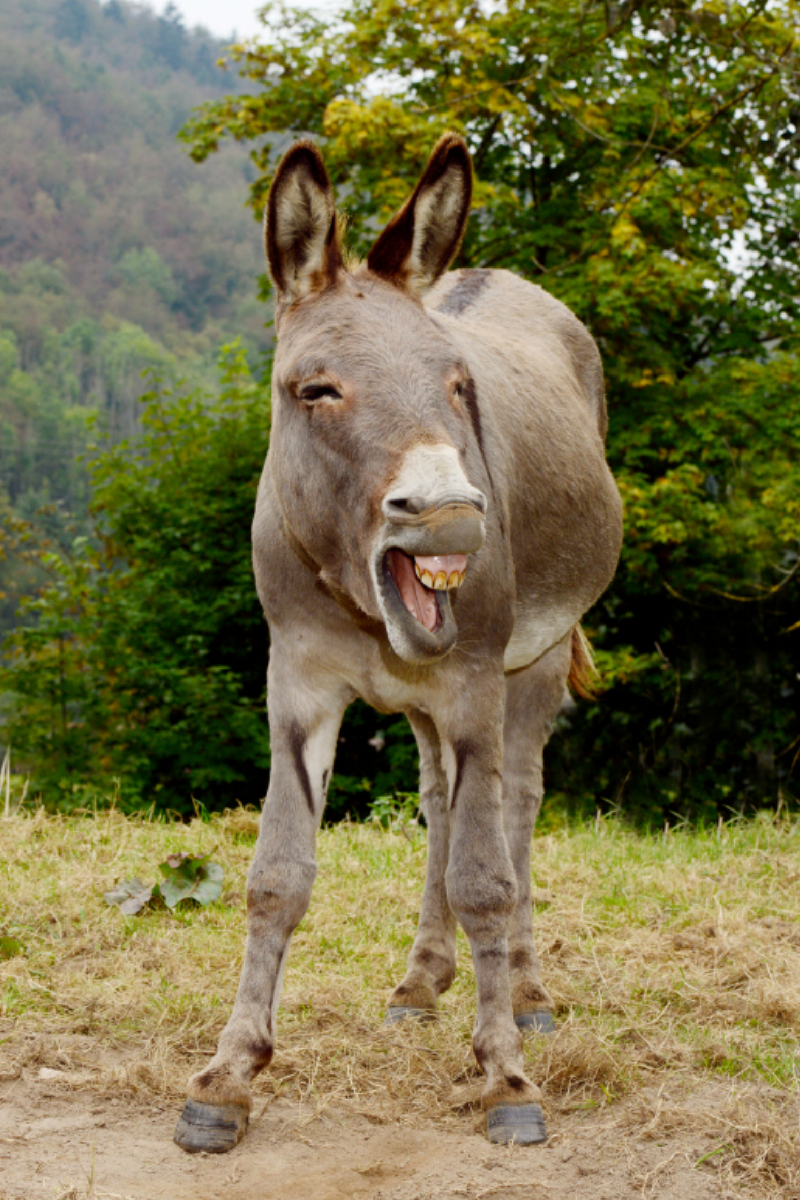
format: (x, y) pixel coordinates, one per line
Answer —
(61, 1140)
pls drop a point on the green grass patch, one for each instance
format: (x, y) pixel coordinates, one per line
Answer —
(676, 952)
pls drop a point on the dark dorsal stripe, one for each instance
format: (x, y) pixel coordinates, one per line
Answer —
(297, 744)
(470, 284)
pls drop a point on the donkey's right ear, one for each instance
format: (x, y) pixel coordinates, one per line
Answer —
(300, 234)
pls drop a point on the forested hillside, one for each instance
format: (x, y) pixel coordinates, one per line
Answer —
(117, 254)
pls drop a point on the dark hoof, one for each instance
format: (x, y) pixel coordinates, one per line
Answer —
(398, 1012)
(522, 1124)
(538, 1021)
(215, 1128)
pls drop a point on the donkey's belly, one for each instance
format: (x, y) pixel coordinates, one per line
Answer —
(537, 630)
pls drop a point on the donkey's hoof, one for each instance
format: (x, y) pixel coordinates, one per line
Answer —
(215, 1128)
(522, 1124)
(399, 1012)
(538, 1021)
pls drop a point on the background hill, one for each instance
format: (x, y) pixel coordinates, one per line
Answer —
(117, 253)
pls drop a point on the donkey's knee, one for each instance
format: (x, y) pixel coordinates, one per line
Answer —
(279, 891)
(483, 897)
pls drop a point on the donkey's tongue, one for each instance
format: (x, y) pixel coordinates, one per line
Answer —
(419, 601)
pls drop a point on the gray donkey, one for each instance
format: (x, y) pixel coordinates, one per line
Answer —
(434, 517)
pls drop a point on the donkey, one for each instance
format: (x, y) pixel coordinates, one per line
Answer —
(434, 517)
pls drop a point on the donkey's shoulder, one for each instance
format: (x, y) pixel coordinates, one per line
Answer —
(500, 309)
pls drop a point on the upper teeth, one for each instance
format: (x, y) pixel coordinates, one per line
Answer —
(440, 582)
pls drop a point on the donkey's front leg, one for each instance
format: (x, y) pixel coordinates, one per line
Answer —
(303, 741)
(482, 891)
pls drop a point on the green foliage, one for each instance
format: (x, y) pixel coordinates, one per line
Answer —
(185, 877)
(140, 671)
(145, 267)
(94, 185)
(375, 756)
(395, 811)
(10, 948)
(56, 384)
(638, 161)
(116, 254)
(145, 658)
(189, 877)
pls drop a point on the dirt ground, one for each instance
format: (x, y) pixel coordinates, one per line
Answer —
(60, 1140)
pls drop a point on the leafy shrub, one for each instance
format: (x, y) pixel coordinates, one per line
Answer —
(146, 661)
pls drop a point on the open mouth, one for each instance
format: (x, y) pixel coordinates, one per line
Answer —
(422, 579)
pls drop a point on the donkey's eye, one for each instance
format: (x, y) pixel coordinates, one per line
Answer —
(310, 393)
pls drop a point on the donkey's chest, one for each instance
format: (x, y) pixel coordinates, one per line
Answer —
(392, 692)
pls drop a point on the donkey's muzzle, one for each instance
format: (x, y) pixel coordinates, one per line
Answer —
(450, 525)
(432, 519)
(431, 507)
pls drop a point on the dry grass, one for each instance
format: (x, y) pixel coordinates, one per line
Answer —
(674, 962)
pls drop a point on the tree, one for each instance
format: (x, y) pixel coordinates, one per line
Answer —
(145, 661)
(171, 37)
(72, 20)
(638, 161)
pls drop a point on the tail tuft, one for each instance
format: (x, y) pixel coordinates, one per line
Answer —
(582, 669)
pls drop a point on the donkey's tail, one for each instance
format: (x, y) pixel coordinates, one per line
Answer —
(582, 669)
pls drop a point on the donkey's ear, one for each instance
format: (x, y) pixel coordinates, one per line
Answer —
(300, 234)
(421, 240)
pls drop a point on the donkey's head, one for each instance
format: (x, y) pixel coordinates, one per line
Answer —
(371, 424)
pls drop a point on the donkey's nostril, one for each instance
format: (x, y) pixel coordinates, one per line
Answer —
(406, 504)
(413, 506)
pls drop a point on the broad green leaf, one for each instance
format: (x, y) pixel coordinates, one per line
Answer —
(189, 878)
(10, 947)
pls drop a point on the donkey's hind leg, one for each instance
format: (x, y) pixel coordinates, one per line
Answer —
(432, 961)
(533, 698)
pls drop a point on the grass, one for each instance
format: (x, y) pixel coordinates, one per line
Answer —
(672, 958)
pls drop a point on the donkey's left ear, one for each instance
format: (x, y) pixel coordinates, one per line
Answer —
(421, 240)
(300, 234)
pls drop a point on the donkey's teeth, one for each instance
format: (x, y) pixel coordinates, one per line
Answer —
(440, 571)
